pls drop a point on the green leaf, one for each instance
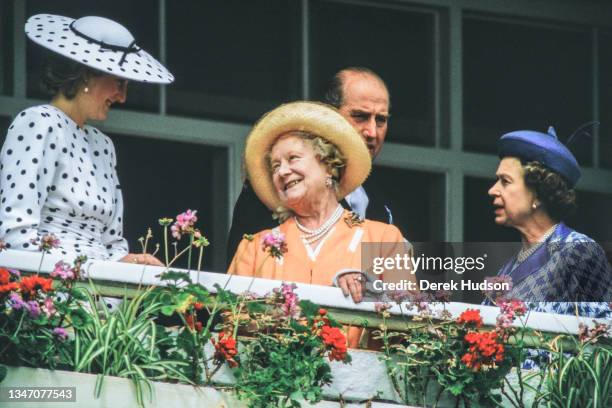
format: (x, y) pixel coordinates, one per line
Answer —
(309, 309)
(168, 310)
(297, 396)
(255, 307)
(175, 276)
(3, 372)
(225, 296)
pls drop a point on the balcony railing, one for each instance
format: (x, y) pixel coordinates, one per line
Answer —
(123, 279)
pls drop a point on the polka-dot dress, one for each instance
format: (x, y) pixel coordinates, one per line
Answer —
(57, 177)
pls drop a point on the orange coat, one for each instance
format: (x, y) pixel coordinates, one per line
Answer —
(340, 249)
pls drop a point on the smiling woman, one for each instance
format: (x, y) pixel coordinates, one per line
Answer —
(301, 159)
(58, 173)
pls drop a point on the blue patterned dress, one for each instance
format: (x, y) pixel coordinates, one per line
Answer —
(567, 274)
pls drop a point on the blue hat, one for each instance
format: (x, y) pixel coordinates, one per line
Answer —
(541, 147)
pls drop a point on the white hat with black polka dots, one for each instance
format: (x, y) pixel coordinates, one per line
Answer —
(99, 43)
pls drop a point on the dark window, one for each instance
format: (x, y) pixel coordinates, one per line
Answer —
(519, 76)
(5, 122)
(395, 43)
(605, 99)
(140, 17)
(415, 198)
(593, 215)
(6, 47)
(233, 59)
(164, 178)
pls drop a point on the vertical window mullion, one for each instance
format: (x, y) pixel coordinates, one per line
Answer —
(595, 96)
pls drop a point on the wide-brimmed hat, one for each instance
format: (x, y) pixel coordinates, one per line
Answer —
(99, 43)
(312, 117)
(541, 147)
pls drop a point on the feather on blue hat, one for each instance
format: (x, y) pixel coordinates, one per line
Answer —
(545, 148)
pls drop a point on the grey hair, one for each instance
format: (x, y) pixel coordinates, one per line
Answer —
(325, 151)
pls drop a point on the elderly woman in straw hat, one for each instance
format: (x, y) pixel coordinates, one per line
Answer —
(302, 158)
(558, 268)
(58, 173)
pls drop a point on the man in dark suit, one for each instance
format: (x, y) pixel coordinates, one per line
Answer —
(362, 98)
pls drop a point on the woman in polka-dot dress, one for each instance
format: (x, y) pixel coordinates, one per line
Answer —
(58, 174)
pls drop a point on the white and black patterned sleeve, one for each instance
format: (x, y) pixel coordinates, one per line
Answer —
(28, 164)
(112, 237)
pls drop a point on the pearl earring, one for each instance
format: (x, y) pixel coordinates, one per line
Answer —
(86, 90)
(534, 206)
(328, 182)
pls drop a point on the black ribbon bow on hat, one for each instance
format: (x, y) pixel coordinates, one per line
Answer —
(131, 48)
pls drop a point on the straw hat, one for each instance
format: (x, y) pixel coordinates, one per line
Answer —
(99, 43)
(316, 118)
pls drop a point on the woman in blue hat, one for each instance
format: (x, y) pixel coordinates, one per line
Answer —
(558, 268)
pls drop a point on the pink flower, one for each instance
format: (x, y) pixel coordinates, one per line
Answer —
(274, 243)
(63, 271)
(184, 223)
(381, 307)
(491, 280)
(16, 301)
(591, 335)
(504, 322)
(509, 309)
(290, 306)
(48, 242)
(48, 307)
(61, 333)
(34, 308)
(512, 307)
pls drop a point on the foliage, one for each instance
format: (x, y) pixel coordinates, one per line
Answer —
(192, 307)
(125, 343)
(436, 354)
(37, 315)
(284, 363)
(279, 347)
(579, 379)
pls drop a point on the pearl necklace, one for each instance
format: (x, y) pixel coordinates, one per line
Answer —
(310, 235)
(526, 253)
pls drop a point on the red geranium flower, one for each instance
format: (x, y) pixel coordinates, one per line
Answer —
(334, 338)
(31, 284)
(5, 276)
(9, 287)
(484, 349)
(470, 316)
(320, 321)
(225, 349)
(197, 326)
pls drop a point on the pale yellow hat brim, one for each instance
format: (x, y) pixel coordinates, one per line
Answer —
(318, 119)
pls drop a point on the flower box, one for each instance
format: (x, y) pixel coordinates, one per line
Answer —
(119, 392)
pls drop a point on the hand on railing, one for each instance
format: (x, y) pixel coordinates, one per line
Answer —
(351, 283)
(142, 259)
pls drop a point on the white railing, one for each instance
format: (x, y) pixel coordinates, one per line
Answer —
(119, 272)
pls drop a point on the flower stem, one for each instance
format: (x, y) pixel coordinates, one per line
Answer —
(166, 243)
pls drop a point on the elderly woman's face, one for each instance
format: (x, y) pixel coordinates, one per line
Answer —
(296, 172)
(512, 200)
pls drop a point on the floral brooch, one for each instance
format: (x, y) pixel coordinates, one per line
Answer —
(352, 219)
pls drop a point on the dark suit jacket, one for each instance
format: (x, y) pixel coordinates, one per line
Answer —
(251, 215)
